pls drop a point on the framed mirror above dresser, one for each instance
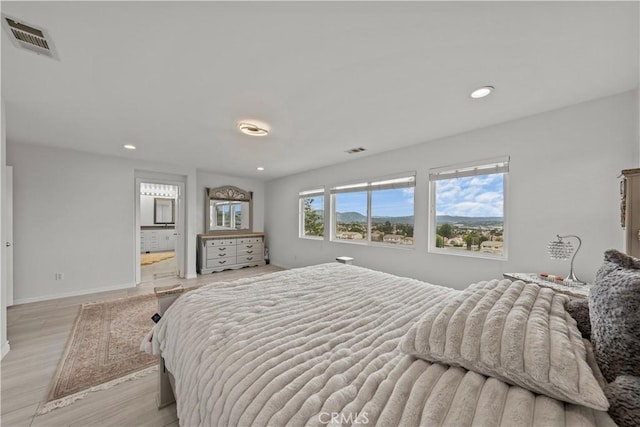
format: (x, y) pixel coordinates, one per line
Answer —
(228, 208)
(229, 241)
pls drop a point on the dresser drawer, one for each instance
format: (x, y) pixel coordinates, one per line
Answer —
(220, 242)
(249, 240)
(215, 252)
(254, 246)
(250, 250)
(221, 262)
(249, 258)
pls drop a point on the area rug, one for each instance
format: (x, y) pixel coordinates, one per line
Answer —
(148, 259)
(104, 349)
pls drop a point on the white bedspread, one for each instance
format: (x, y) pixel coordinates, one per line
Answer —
(318, 346)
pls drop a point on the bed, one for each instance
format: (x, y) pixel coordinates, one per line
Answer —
(321, 345)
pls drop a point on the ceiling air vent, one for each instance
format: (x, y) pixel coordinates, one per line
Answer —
(29, 37)
(355, 150)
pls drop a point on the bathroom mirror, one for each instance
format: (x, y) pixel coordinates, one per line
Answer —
(164, 210)
(228, 208)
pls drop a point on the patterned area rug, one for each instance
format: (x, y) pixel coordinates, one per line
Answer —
(148, 259)
(104, 349)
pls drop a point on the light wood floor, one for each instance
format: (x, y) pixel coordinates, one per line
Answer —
(38, 333)
(162, 269)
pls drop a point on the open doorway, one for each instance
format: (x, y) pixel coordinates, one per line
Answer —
(159, 225)
(158, 231)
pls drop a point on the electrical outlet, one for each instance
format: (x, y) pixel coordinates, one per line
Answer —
(59, 276)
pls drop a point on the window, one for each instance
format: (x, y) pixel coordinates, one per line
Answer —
(467, 214)
(378, 212)
(351, 216)
(312, 213)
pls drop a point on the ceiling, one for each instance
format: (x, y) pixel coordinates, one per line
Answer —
(174, 78)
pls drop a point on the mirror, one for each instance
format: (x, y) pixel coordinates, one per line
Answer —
(228, 209)
(164, 210)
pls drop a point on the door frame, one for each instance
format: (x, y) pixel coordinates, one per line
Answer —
(8, 234)
(179, 181)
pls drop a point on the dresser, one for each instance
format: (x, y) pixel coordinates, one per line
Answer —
(630, 210)
(217, 252)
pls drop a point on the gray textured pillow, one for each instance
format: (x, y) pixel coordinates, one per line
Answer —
(624, 395)
(516, 332)
(614, 310)
(578, 308)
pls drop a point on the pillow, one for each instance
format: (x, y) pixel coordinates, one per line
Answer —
(516, 332)
(614, 310)
(578, 308)
(624, 395)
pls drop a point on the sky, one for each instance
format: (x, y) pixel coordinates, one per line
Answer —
(475, 196)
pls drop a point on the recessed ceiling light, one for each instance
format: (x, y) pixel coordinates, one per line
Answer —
(260, 168)
(481, 92)
(253, 129)
(129, 147)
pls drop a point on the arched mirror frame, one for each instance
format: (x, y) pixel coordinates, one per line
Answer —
(227, 193)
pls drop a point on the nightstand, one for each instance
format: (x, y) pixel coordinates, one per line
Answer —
(576, 291)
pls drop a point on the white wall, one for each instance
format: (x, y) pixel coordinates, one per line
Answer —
(563, 179)
(211, 180)
(146, 210)
(74, 214)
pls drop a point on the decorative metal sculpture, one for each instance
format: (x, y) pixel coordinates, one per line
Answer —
(229, 192)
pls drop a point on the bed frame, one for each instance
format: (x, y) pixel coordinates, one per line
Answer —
(166, 384)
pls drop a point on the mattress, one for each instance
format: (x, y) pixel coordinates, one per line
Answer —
(319, 346)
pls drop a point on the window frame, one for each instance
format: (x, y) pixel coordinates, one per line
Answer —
(305, 194)
(475, 168)
(396, 181)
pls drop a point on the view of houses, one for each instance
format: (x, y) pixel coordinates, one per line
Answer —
(463, 233)
(395, 230)
(480, 234)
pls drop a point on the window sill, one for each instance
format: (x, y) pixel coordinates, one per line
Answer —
(468, 254)
(373, 244)
(319, 238)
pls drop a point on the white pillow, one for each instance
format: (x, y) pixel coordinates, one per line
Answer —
(516, 332)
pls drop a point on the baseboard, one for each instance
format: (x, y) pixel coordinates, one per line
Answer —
(72, 293)
(280, 266)
(5, 349)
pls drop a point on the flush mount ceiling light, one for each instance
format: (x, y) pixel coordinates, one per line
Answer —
(481, 92)
(260, 168)
(129, 147)
(253, 128)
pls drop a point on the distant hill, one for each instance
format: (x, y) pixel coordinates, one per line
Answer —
(358, 217)
(354, 217)
(470, 220)
(351, 217)
(393, 219)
